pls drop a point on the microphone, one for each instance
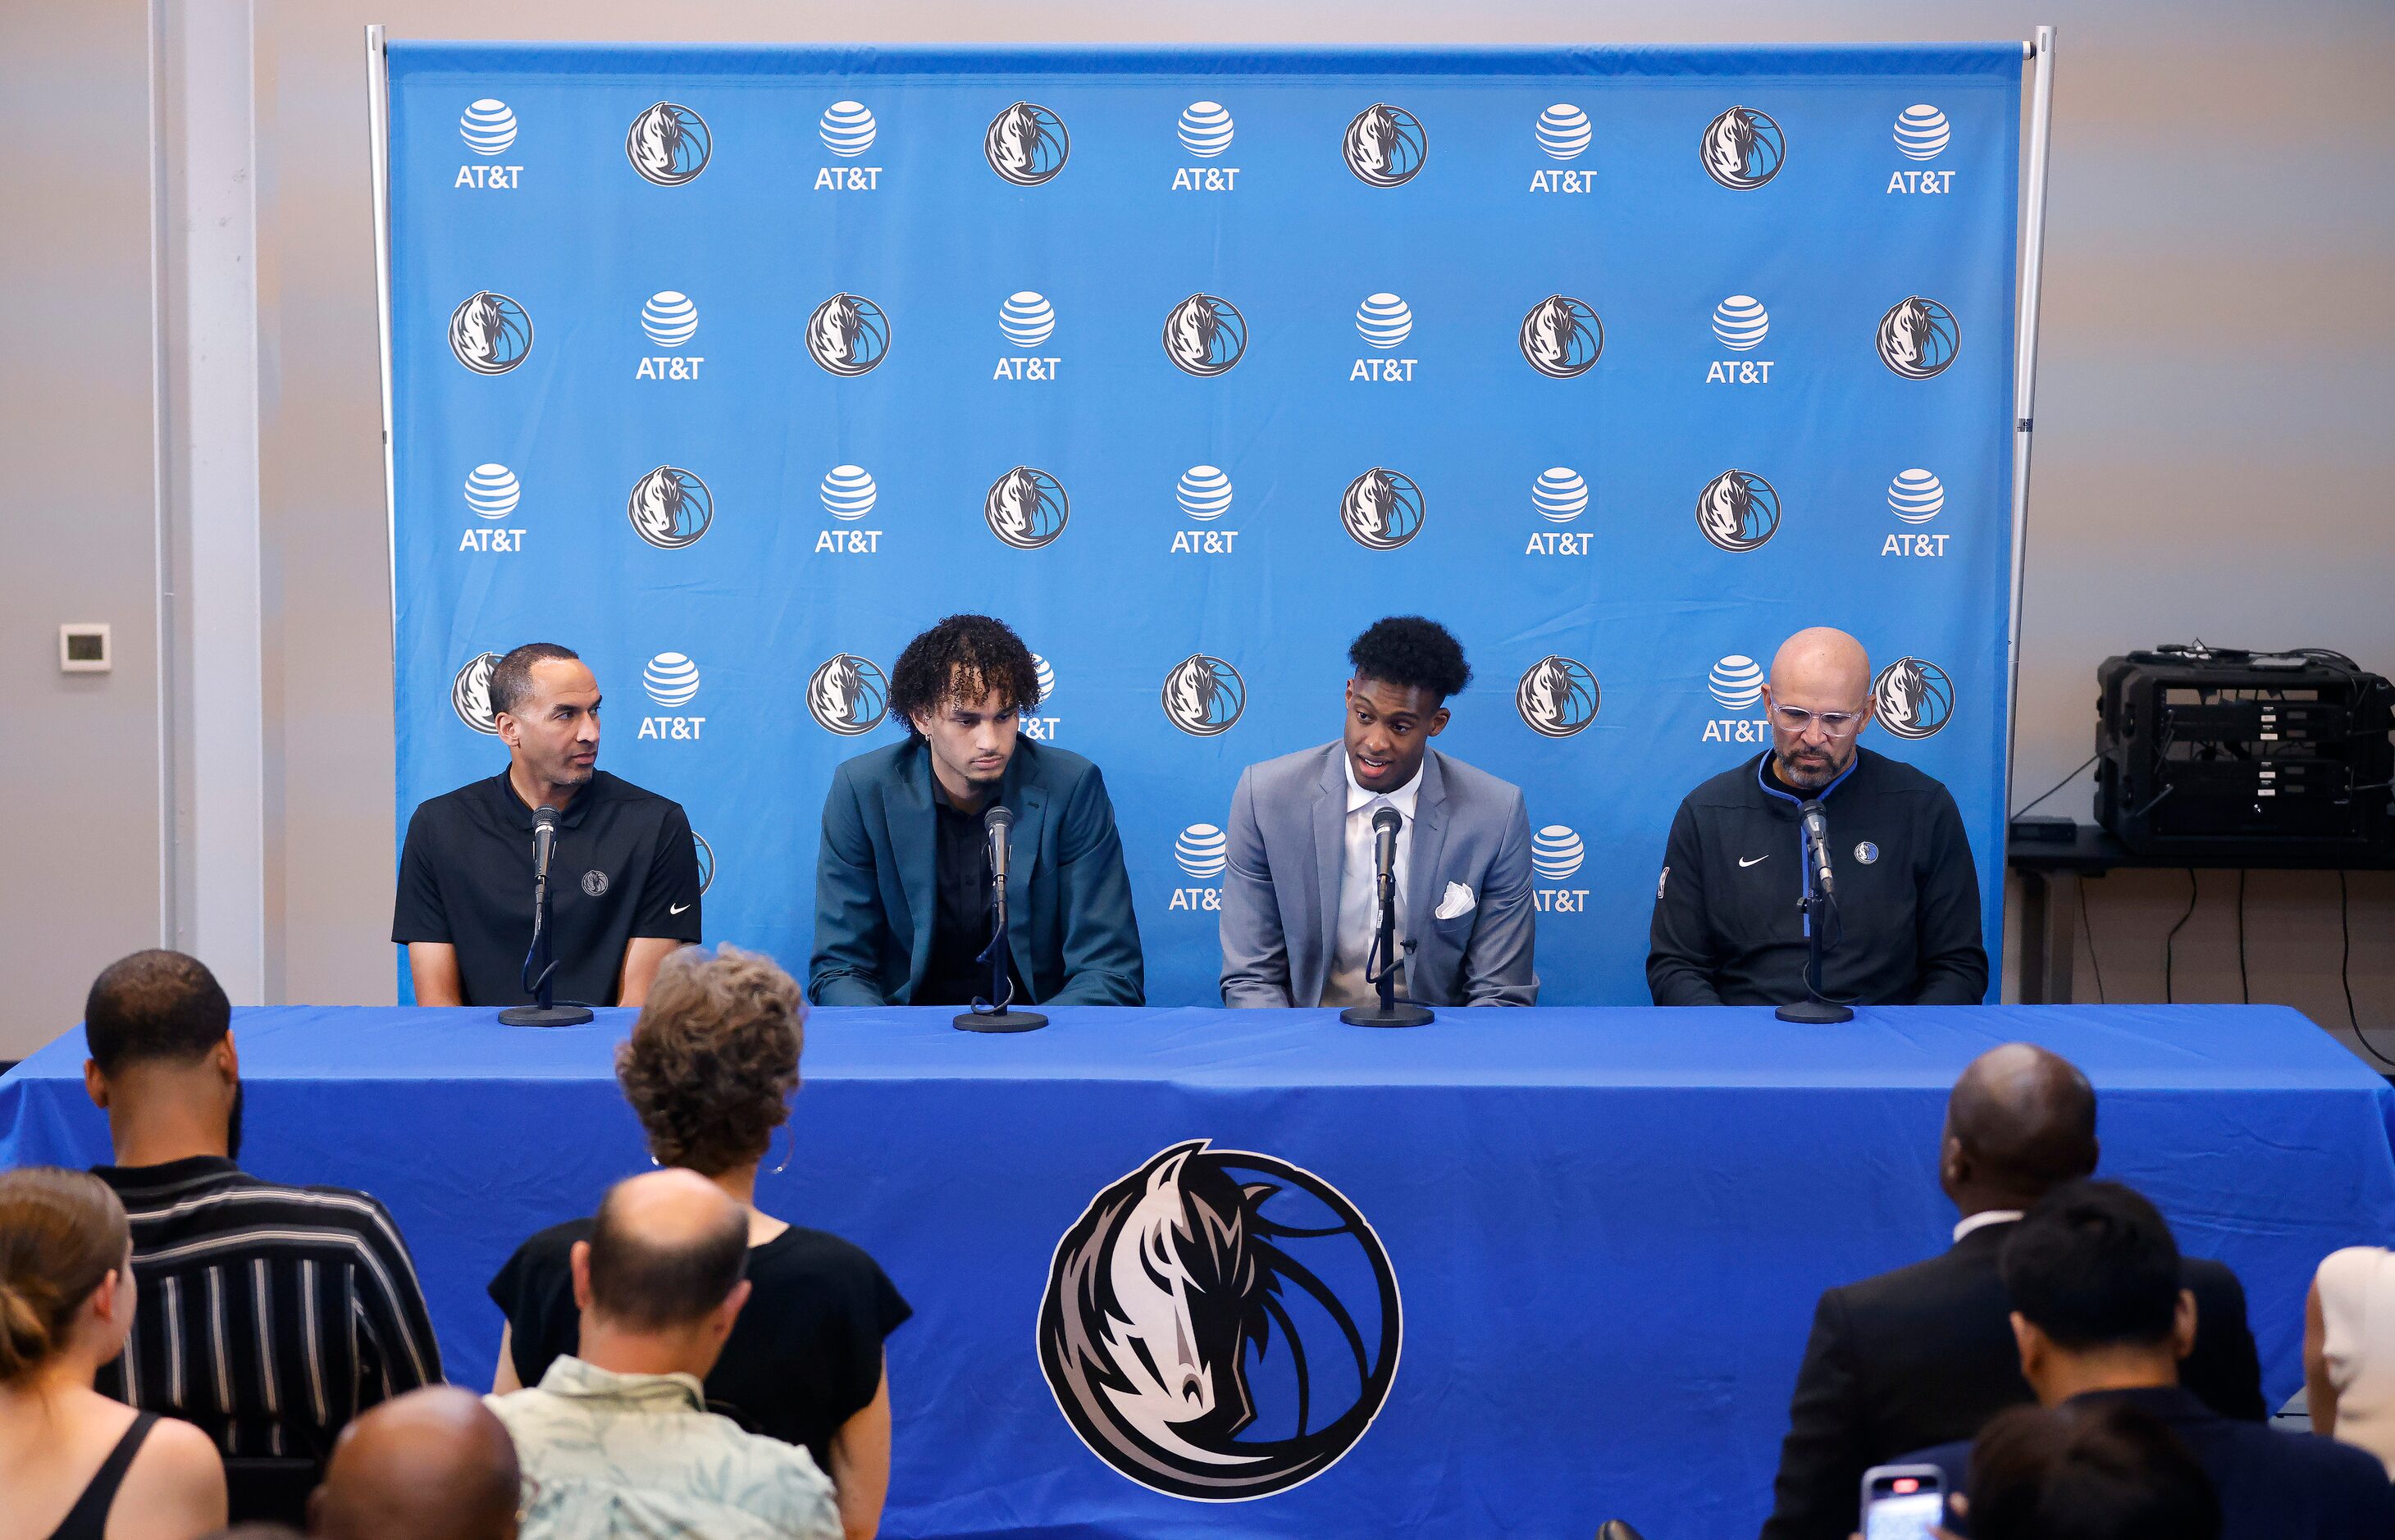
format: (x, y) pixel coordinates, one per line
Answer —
(1817, 830)
(997, 826)
(1385, 824)
(544, 841)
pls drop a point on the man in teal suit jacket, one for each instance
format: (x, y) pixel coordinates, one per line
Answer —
(901, 902)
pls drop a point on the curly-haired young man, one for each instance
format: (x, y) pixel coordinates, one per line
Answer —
(1299, 907)
(903, 900)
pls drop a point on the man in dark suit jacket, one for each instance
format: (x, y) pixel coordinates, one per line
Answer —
(903, 903)
(1925, 1354)
(2100, 1315)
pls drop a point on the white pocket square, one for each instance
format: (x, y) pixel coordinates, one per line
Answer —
(1458, 900)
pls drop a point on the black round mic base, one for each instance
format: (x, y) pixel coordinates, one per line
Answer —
(1819, 1013)
(999, 1020)
(1398, 1015)
(544, 1016)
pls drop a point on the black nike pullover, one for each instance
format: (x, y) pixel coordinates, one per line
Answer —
(1727, 930)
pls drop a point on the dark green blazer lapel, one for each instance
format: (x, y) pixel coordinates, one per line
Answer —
(914, 845)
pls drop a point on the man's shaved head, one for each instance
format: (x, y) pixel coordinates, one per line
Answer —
(668, 1248)
(433, 1465)
(1823, 676)
(2020, 1122)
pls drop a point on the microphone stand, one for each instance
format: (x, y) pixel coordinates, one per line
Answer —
(542, 1012)
(1817, 1009)
(1390, 1012)
(985, 1017)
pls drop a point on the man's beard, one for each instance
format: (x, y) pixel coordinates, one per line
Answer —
(1810, 776)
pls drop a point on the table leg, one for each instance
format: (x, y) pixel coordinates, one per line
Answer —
(2036, 898)
(2062, 943)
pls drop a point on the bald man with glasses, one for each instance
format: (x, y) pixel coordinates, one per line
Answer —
(1906, 929)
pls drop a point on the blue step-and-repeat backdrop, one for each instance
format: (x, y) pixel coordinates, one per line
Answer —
(733, 368)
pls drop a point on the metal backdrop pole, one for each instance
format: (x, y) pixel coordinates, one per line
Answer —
(378, 149)
(2041, 122)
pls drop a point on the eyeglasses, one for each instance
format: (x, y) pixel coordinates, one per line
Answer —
(1835, 724)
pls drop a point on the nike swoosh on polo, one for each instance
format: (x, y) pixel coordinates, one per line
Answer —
(677, 908)
(1749, 860)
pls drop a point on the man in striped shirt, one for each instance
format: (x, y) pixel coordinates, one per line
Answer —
(268, 1315)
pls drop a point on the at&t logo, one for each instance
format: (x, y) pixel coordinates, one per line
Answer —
(1915, 497)
(1041, 729)
(669, 320)
(1204, 695)
(848, 694)
(492, 492)
(1913, 698)
(671, 507)
(848, 335)
(1203, 853)
(1205, 129)
(1560, 495)
(490, 332)
(1556, 856)
(671, 680)
(1386, 146)
(1562, 337)
(1027, 508)
(848, 495)
(1563, 133)
(1382, 510)
(1027, 320)
(1738, 510)
(1205, 335)
(1204, 493)
(1743, 149)
(469, 693)
(1739, 325)
(1919, 337)
(848, 129)
(668, 144)
(1556, 696)
(1922, 134)
(1385, 322)
(1026, 144)
(488, 127)
(1736, 684)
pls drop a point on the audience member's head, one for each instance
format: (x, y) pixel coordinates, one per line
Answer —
(159, 1031)
(433, 1465)
(66, 1278)
(2093, 1275)
(2020, 1122)
(659, 1282)
(712, 1061)
(2098, 1470)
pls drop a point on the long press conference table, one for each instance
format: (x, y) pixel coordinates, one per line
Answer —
(1605, 1228)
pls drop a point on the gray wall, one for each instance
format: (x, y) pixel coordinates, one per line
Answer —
(2211, 436)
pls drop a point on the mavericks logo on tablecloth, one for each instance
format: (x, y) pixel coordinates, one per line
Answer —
(1157, 1330)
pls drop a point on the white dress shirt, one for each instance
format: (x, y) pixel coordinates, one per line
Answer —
(1985, 1217)
(1359, 904)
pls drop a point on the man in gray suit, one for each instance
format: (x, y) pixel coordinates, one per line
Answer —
(1299, 902)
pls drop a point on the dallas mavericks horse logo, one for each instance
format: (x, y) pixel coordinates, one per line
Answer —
(668, 144)
(1743, 149)
(490, 332)
(1562, 337)
(1386, 146)
(1383, 510)
(1027, 508)
(705, 853)
(1205, 335)
(1738, 510)
(469, 693)
(1204, 695)
(848, 335)
(1913, 698)
(848, 694)
(1026, 144)
(1557, 696)
(1918, 337)
(671, 507)
(1156, 1329)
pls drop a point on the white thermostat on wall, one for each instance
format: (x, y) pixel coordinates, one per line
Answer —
(82, 648)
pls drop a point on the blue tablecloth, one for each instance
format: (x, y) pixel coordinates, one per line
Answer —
(1608, 1227)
